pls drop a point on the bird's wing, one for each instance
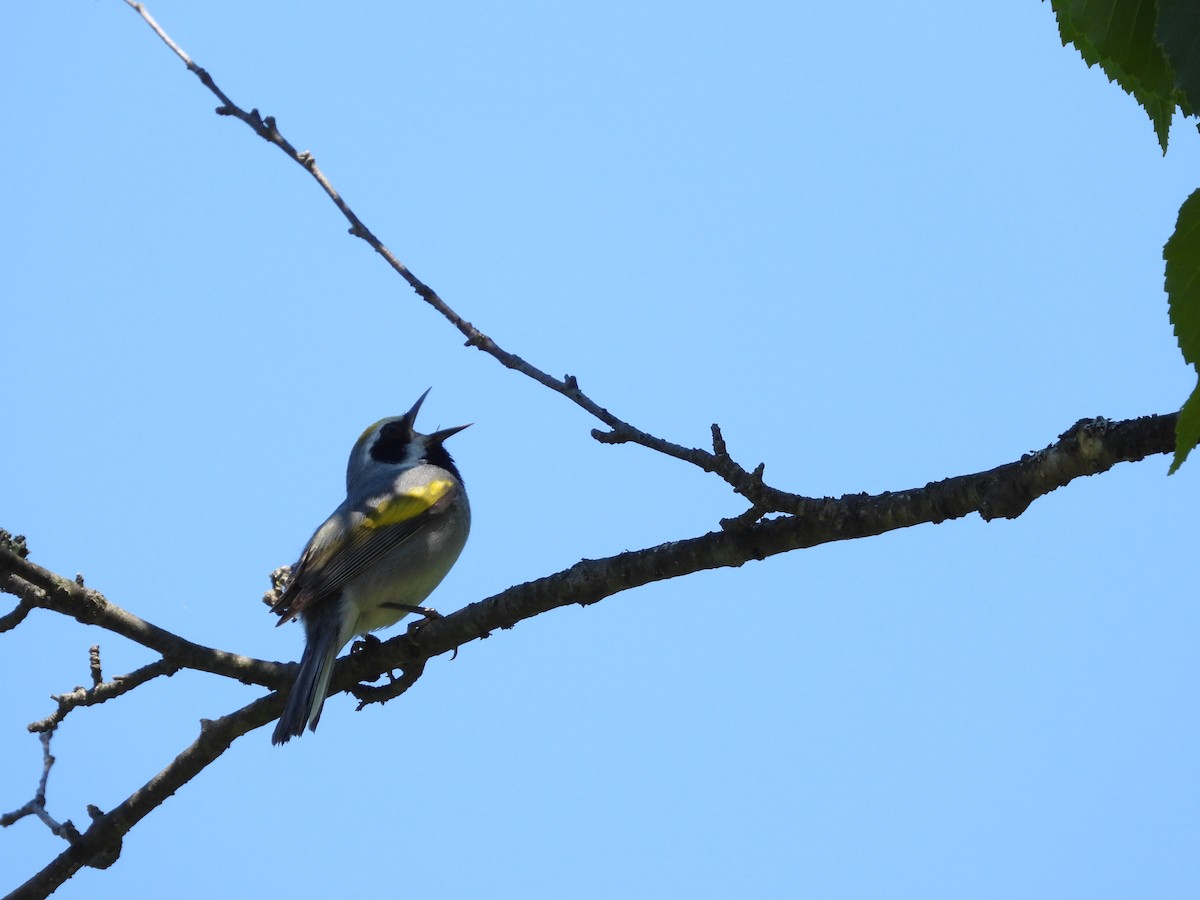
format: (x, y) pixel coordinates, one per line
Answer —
(352, 540)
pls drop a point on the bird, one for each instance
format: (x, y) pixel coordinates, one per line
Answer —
(400, 529)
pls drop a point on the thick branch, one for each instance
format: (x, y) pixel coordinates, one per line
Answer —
(39, 587)
(1089, 447)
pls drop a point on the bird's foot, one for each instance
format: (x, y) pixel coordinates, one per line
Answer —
(366, 642)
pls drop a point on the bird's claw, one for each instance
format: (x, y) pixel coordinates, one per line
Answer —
(366, 642)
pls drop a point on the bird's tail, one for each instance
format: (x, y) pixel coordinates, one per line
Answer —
(312, 681)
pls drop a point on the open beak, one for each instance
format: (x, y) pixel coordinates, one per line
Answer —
(438, 436)
(410, 419)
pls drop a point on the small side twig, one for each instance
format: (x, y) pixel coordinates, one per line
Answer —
(101, 691)
(37, 806)
(94, 665)
(16, 616)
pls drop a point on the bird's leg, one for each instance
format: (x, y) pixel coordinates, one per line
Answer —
(427, 612)
(366, 642)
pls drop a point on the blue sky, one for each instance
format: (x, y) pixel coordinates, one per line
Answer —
(880, 245)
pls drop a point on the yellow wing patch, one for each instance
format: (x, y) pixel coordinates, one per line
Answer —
(409, 505)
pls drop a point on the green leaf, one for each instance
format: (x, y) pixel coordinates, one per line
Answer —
(1178, 33)
(1119, 36)
(1182, 255)
(1187, 430)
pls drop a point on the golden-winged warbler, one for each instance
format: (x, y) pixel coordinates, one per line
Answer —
(401, 527)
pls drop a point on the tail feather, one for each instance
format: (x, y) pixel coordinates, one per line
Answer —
(307, 696)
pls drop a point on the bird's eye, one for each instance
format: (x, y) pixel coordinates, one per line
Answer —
(392, 444)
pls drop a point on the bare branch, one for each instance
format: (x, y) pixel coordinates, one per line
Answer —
(1087, 448)
(101, 691)
(9, 584)
(94, 661)
(37, 806)
(44, 589)
(23, 608)
(100, 844)
(619, 431)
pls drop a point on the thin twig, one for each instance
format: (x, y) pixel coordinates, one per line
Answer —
(37, 806)
(101, 692)
(619, 431)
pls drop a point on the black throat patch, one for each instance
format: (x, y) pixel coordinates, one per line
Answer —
(395, 439)
(392, 444)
